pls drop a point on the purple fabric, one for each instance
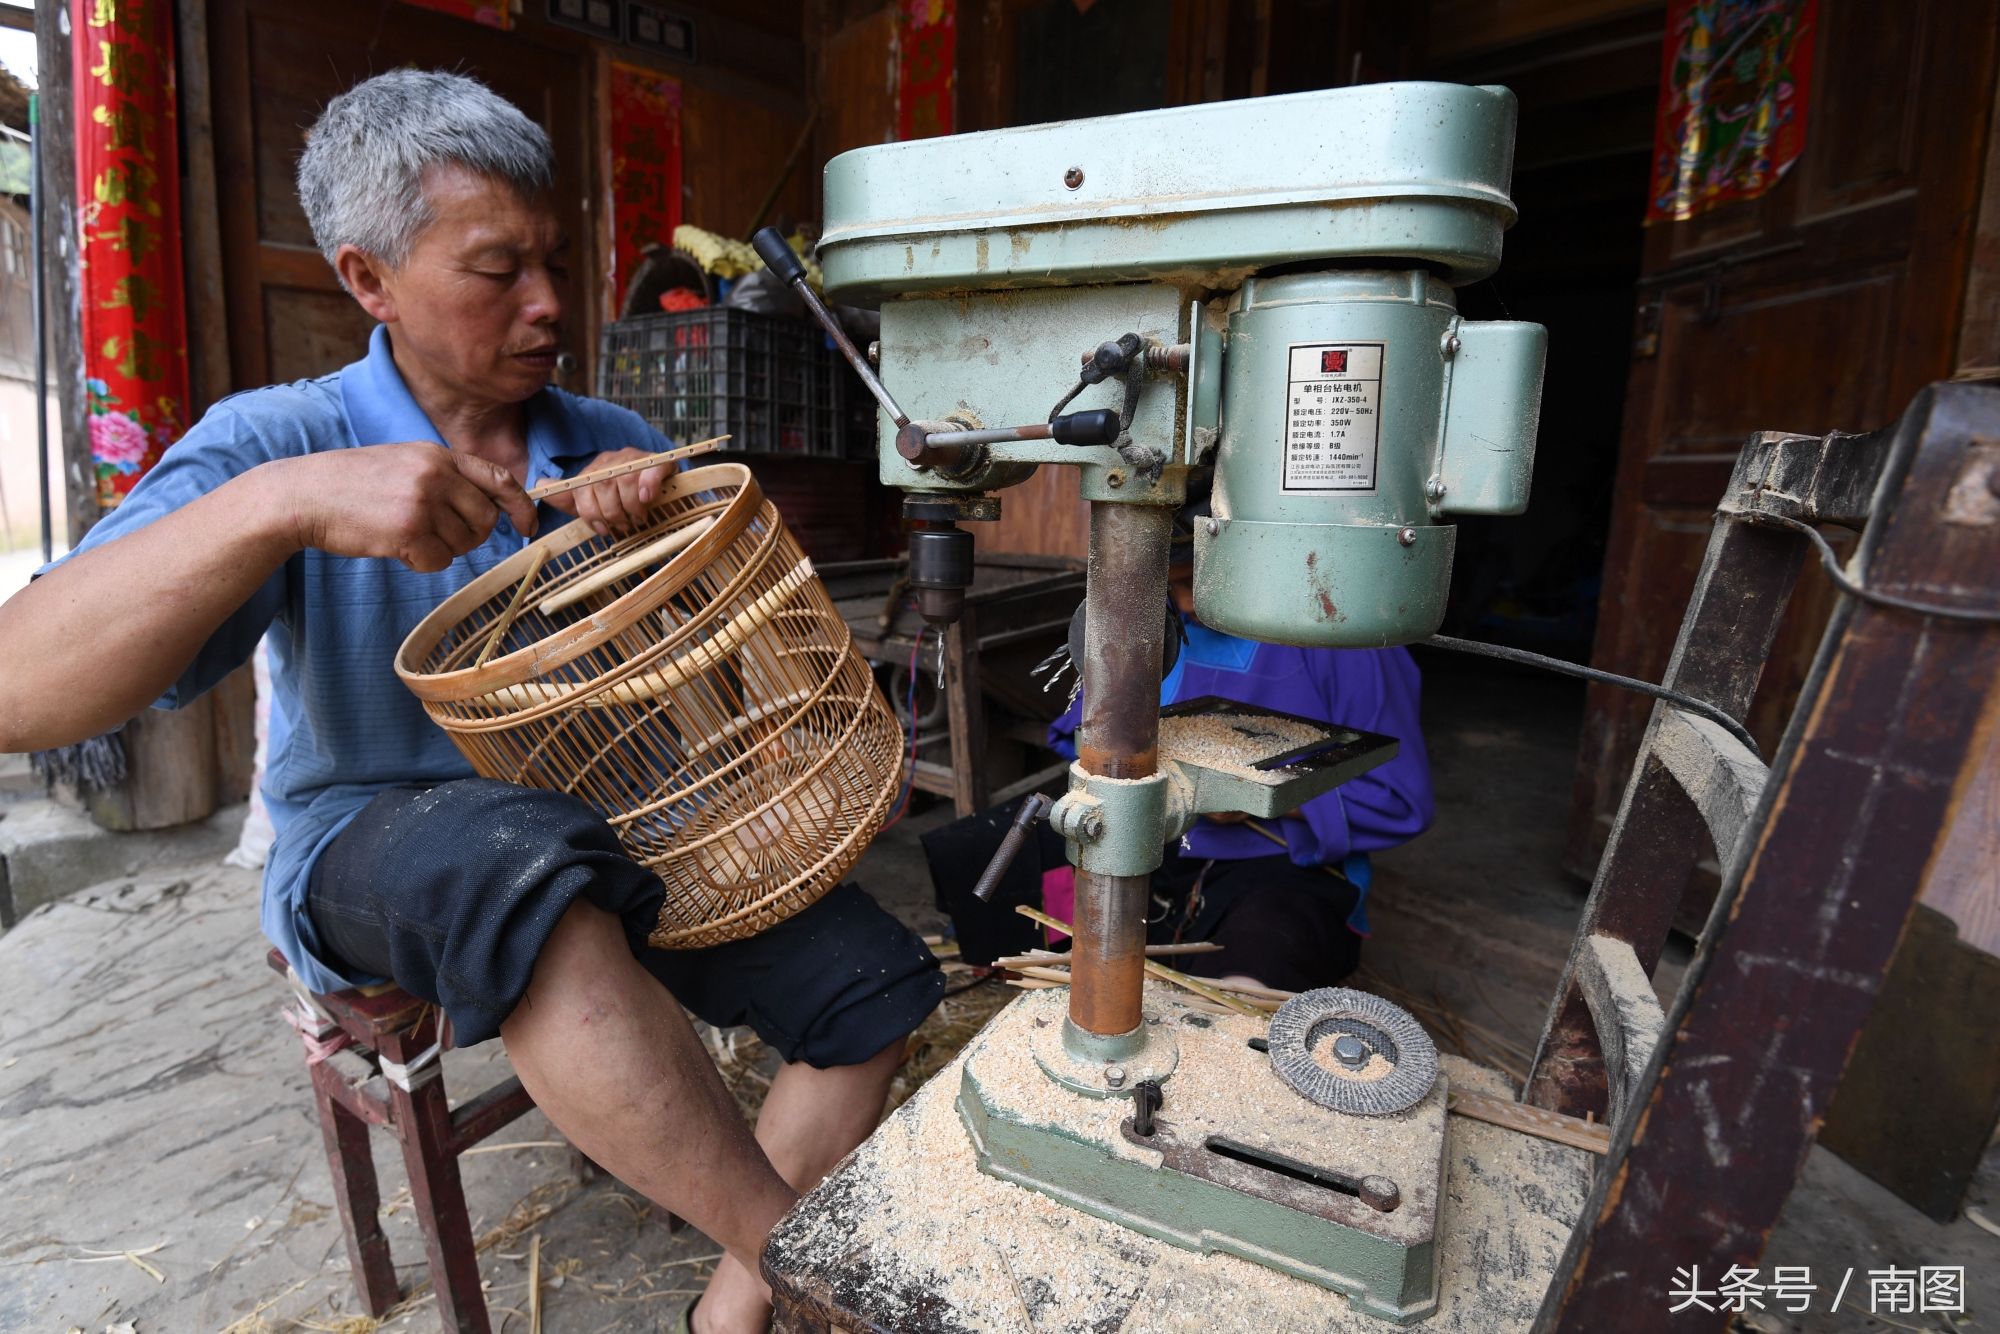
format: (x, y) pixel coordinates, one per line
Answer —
(1373, 690)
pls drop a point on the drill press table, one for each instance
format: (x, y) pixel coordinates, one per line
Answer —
(909, 1236)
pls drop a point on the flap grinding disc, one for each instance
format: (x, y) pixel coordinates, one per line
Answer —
(1378, 1060)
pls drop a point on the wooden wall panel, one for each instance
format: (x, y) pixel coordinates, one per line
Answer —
(1825, 305)
(857, 86)
(1043, 516)
(319, 329)
(733, 147)
(1979, 330)
(1460, 28)
(274, 65)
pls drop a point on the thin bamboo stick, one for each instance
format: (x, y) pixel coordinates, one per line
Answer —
(616, 470)
(506, 618)
(1062, 956)
(1158, 970)
(1153, 951)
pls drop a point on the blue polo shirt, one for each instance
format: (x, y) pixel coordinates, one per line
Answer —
(343, 727)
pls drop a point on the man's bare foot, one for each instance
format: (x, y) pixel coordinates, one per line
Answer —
(736, 1302)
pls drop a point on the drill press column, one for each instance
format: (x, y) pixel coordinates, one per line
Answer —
(1119, 738)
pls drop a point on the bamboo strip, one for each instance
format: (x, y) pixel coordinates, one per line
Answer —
(616, 470)
(1591, 1136)
(1158, 970)
(650, 554)
(506, 618)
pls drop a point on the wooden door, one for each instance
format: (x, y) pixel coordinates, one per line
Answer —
(275, 64)
(1824, 305)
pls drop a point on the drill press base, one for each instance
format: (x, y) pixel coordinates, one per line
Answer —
(1236, 1161)
(908, 1235)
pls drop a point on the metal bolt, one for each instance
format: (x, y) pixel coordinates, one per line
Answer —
(1379, 1192)
(1073, 177)
(1434, 489)
(1408, 537)
(1211, 527)
(1350, 1051)
(1114, 1075)
(1451, 345)
(1115, 478)
(875, 354)
(1091, 826)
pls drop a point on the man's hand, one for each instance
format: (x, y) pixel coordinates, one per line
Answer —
(621, 504)
(416, 503)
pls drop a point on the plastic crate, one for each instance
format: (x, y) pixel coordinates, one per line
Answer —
(769, 383)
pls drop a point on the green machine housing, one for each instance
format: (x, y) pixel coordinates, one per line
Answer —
(1288, 264)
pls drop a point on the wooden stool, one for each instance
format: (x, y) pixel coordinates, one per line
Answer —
(399, 1036)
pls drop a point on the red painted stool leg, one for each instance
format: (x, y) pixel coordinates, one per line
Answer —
(423, 1123)
(354, 1190)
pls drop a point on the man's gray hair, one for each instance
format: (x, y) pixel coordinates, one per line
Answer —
(361, 177)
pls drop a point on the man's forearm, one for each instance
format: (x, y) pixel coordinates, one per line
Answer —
(92, 643)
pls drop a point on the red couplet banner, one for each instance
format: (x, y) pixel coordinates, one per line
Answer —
(645, 134)
(129, 227)
(926, 67)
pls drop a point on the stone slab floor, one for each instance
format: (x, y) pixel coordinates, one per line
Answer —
(151, 1101)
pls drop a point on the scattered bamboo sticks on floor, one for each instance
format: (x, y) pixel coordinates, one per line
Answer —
(1045, 958)
(1159, 970)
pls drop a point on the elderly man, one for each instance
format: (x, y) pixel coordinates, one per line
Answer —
(336, 513)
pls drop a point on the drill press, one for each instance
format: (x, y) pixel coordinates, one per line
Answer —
(1264, 288)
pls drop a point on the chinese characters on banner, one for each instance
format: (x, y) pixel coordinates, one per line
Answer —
(1733, 83)
(645, 168)
(128, 227)
(492, 13)
(927, 56)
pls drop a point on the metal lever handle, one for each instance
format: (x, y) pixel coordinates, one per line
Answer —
(1035, 808)
(1147, 1100)
(1098, 426)
(779, 258)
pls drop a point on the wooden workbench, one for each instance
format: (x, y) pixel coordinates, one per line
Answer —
(1016, 611)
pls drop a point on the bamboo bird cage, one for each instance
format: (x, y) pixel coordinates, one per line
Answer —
(692, 682)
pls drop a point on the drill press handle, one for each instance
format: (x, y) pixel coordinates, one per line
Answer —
(781, 259)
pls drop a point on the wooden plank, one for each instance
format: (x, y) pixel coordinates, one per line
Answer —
(965, 705)
(61, 283)
(1978, 357)
(1964, 884)
(201, 201)
(1920, 1099)
(1624, 1013)
(1874, 767)
(1592, 1136)
(1732, 620)
(1721, 777)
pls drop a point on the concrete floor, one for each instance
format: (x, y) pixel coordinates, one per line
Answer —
(151, 1102)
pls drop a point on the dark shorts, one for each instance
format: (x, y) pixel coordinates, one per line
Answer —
(453, 890)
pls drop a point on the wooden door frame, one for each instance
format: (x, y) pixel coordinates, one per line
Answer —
(228, 262)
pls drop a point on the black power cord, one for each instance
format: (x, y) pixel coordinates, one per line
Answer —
(1582, 673)
(1831, 560)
